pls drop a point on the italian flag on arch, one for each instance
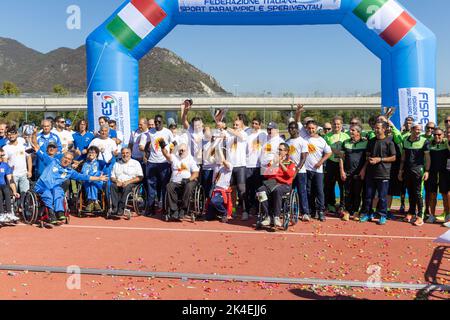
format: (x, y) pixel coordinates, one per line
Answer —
(387, 18)
(135, 21)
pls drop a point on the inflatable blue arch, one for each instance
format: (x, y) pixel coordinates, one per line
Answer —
(406, 47)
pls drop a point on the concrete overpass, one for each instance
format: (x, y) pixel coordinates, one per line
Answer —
(61, 104)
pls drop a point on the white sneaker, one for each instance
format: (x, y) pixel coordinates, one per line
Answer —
(3, 218)
(431, 219)
(278, 222)
(447, 224)
(266, 222)
(306, 217)
(244, 216)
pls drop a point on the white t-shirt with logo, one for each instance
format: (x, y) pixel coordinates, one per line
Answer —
(270, 150)
(317, 148)
(222, 176)
(156, 155)
(109, 146)
(255, 142)
(182, 168)
(237, 149)
(127, 171)
(297, 146)
(17, 157)
(65, 137)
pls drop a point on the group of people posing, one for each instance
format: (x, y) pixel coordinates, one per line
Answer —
(241, 166)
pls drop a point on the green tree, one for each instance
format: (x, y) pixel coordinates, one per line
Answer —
(60, 90)
(9, 89)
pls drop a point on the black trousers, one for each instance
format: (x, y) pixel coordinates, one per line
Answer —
(413, 181)
(238, 179)
(353, 193)
(253, 182)
(272, 206)
(174, 190)
(331, 177)
(119, 196)
(5, 196)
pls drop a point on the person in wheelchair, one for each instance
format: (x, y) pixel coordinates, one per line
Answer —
(125, 175)
(185, 173)
(49, 186)
(93, 167)
(278, 181)
(6, 186)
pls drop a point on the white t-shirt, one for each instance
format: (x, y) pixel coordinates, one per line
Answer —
(237, 149)
(317, 147)
(17, 157)
(127, 171)
(224, 178)
(65, 137)
(255, 142)
(195, 144)
(182, 168)
(270, 150)
(156, 155)
(297, 146)
(108, 146)
(135, 139)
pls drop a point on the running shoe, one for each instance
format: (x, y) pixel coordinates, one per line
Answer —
(12, 217)
(277, 222)
(244, 216)
(418, 222)
(322, 217)
(408, 218)
(390, 216)
(447, 224)
(382, 220)
(266, 222)
(356, 216)
(306, 217)
(345, 216)
(364, 218)
(431, 219)
(90, 207)
(97, 206)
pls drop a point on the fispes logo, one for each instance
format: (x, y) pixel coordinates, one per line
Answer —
(108, 103)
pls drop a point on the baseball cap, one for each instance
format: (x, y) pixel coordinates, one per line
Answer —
(68, 122)
(272, 125)
(52, 144)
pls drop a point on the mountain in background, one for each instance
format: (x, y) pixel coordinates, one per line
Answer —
(160, 71)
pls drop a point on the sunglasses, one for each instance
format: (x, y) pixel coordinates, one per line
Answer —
(438, 134)
(447, 121)
(326, 128)
(281, 150)
(354, 123)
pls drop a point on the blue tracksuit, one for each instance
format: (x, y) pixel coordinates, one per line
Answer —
(93, 168)
(81, 142)
(43, 160)
(43, 141)
(49, 185)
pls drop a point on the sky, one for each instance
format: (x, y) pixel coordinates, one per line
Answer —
(244, 59)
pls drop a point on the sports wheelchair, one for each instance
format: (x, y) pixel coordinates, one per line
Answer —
(35, 212)
(136, 202)
(196, 203)
(290, 210)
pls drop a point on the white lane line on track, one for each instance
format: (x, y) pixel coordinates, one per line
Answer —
(307, 234)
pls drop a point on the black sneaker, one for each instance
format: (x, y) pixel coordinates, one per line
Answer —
(316, 216)
(224, 219)
(61, 216)
(322, 216)
(120, 213)
(181, 214)
(51, 217)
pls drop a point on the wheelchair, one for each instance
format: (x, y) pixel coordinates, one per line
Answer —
(35, 212)
(196, 203)
(290, 210)
(136, 202)
(79, 200)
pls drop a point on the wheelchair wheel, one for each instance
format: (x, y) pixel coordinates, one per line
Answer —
(30, 208)
(199, 202)
(294, 206)
(67, 209)
(140, 200)
(286, 212)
